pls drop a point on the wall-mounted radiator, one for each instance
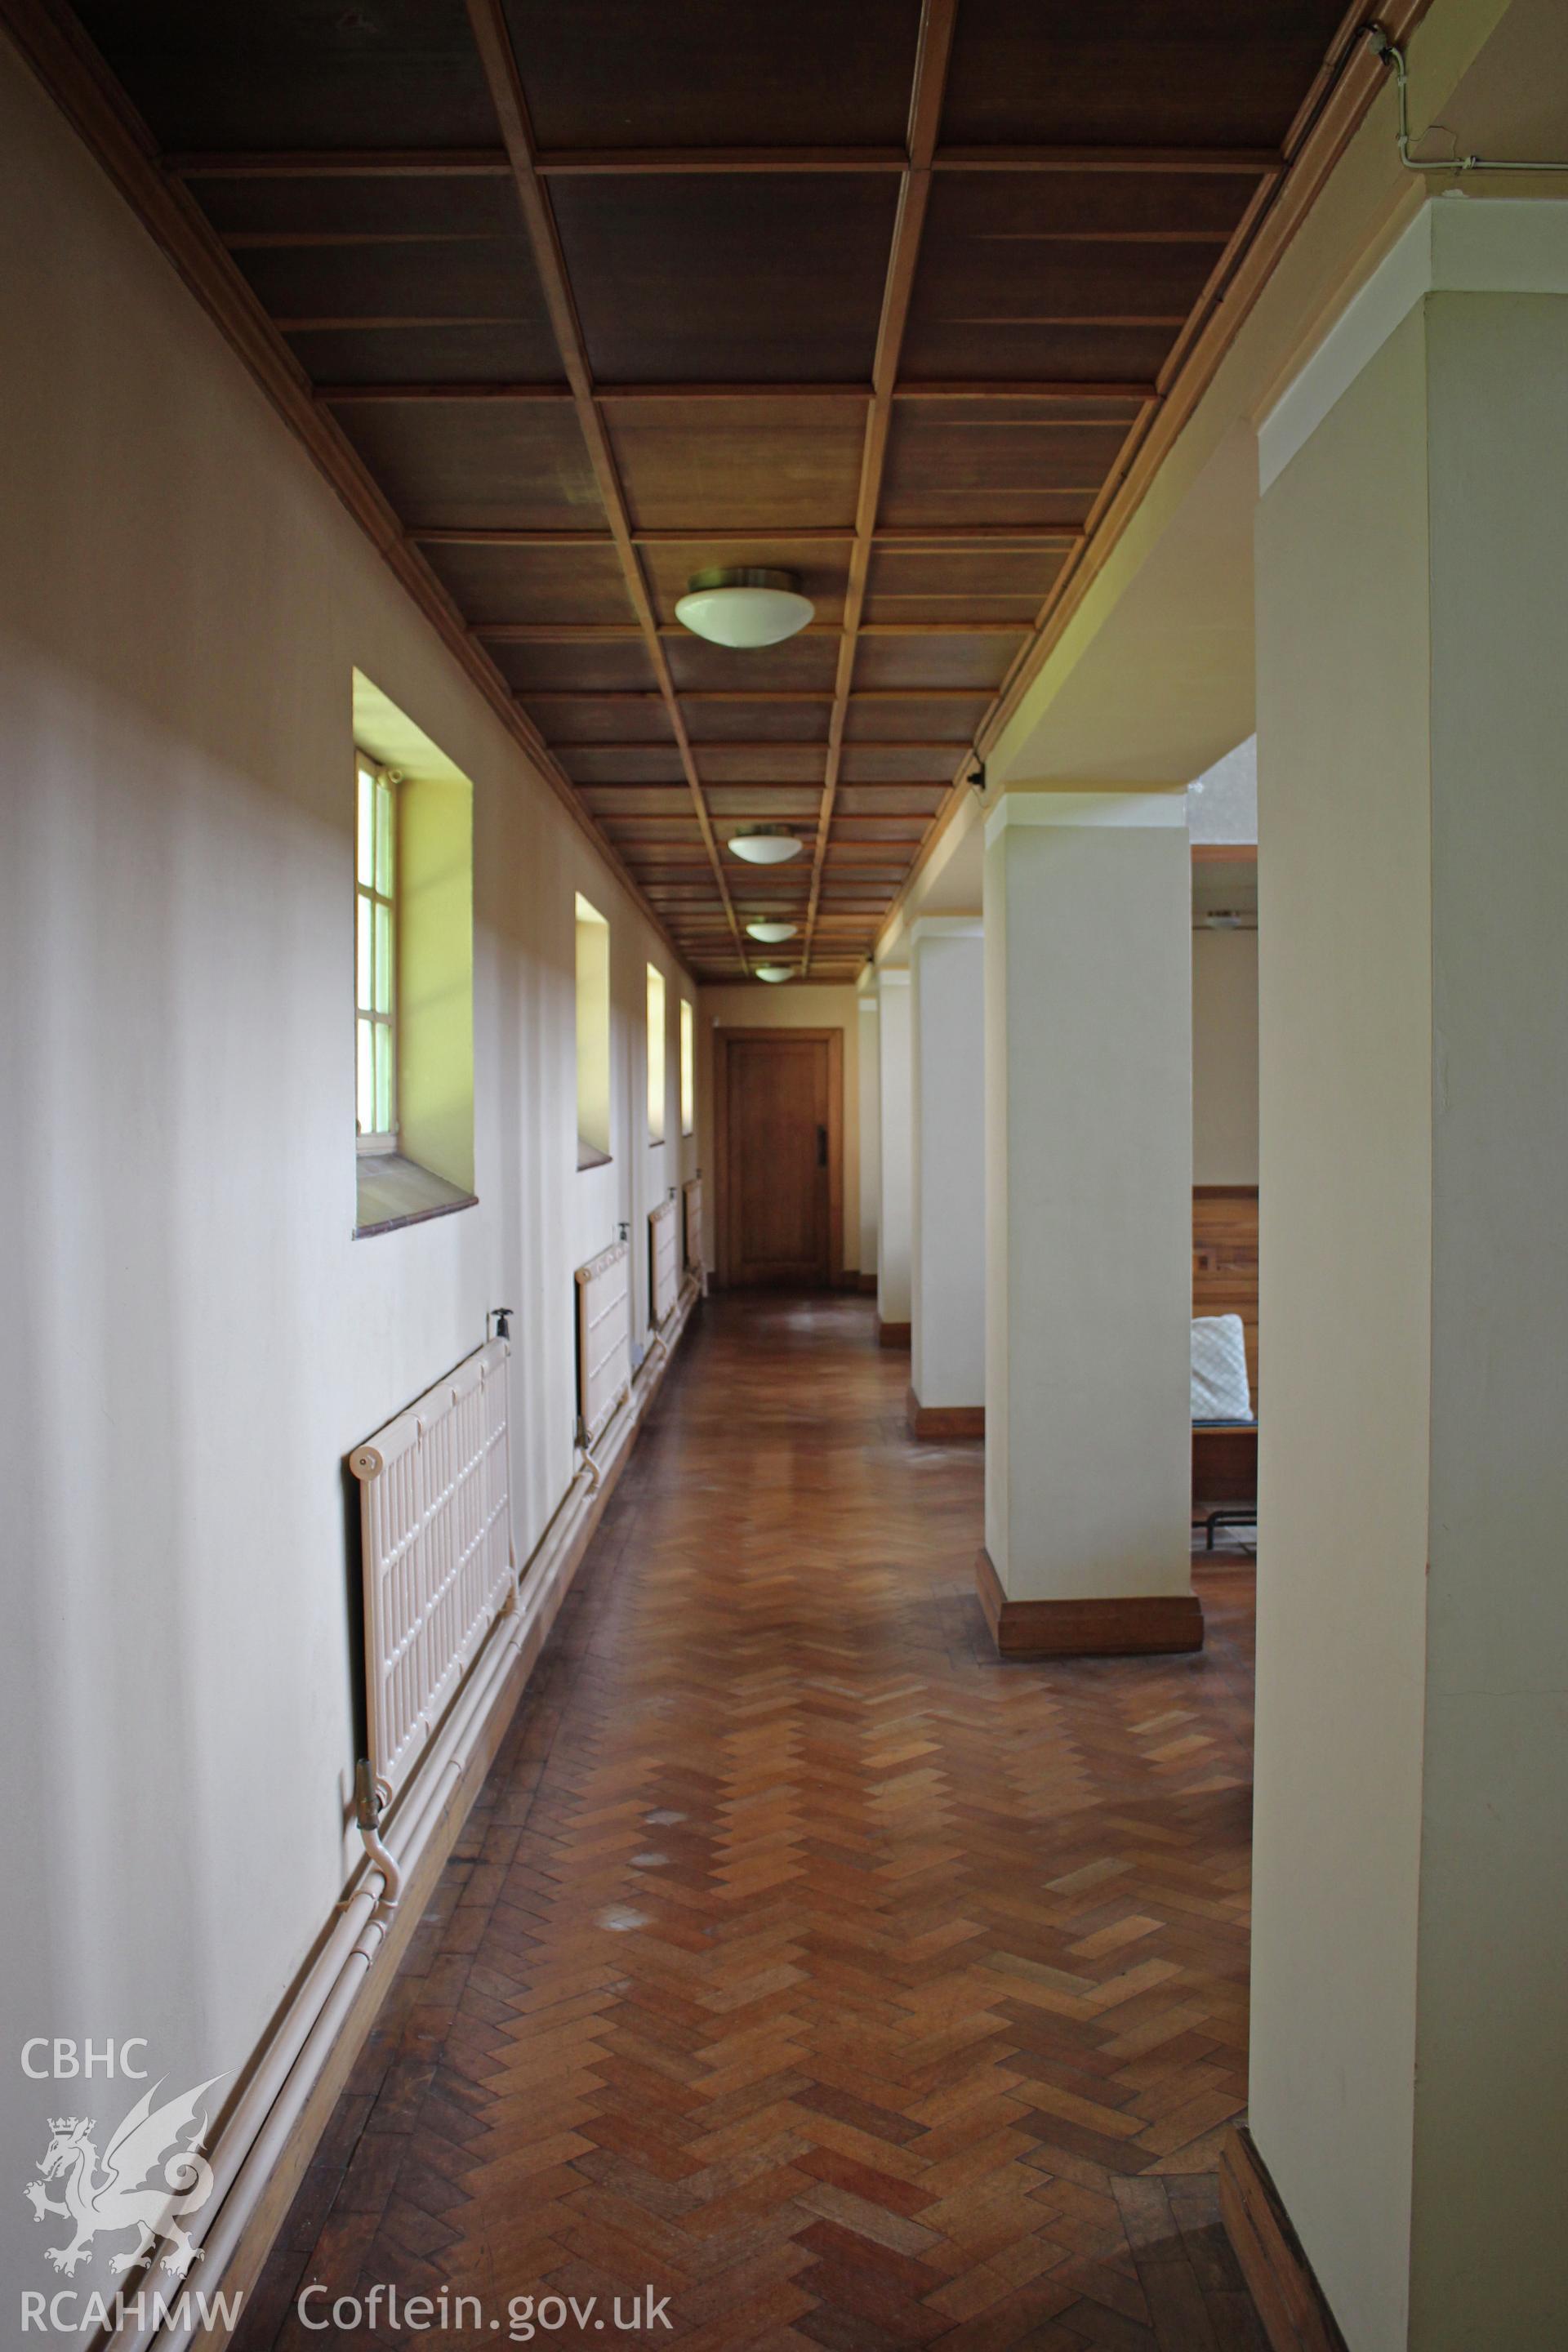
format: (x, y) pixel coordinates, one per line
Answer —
(604, 1337)
(435, 1525)
(692, 1199)
(663, 1263)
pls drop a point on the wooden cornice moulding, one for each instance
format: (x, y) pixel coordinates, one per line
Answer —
(1291, 2304)
(1125, 1625)
(65, 63)
(933, 1424)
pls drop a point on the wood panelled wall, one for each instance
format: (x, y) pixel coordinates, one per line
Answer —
(1225, 1260)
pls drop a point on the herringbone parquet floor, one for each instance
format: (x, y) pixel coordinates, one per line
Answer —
(801, 1963)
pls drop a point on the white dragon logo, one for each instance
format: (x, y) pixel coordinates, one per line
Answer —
(124, 2197)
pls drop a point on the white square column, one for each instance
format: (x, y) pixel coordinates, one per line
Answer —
(947, 1341)
(1089, 1154)
(870, 1110)
(896, 1206)
(1409, 2058)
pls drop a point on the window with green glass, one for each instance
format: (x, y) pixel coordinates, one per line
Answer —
(687, 1067)
(412, 821)
(375, 959)
(654, 1055)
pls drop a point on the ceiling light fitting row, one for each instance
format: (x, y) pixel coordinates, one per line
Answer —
(744, 607)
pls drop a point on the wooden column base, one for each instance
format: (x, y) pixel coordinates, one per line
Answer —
(939, 1420)
(892, 1335)
(1125, 1625)
(1291, 2304)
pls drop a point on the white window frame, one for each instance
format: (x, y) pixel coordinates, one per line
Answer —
(374, 1017)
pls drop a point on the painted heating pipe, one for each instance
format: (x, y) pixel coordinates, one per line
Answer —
(255, 2135)
(1386, 49)
(258, 2131)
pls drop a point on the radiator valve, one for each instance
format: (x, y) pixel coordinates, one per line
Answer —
(368, 1807)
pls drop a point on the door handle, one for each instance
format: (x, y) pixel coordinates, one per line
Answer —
(822, 1147)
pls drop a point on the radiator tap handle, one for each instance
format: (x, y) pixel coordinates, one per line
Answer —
(367, 1796)
(501, 1318)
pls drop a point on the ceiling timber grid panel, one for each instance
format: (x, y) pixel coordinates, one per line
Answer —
(605, 294)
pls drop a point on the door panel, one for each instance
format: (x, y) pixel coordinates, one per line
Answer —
(781, 1140)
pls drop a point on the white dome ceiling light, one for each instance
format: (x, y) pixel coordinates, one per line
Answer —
(775, 972)
(744, 607)
(772, 935)
(766, 845)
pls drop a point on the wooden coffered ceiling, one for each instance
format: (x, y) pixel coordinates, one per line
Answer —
(887, 293)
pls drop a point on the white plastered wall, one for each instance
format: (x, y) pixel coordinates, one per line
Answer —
(192, 1340)
(1225, 1057)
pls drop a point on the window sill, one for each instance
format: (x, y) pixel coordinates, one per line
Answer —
(395, 1191)
(590, 1156)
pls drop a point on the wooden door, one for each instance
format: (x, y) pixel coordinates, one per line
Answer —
(780, 1211)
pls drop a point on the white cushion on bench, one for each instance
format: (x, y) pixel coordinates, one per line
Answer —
(1220, 1390)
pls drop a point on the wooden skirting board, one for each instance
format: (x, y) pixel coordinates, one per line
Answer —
(942, 1420)
(892, 1335)
(1291, 2304)
(1125, 1626)
(866, 1284)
